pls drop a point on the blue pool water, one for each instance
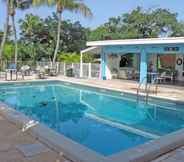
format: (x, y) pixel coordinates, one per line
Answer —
(87, 115)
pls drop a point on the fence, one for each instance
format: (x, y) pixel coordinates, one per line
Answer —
(89, 70)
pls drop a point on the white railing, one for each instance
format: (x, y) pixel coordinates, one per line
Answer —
(87, 70)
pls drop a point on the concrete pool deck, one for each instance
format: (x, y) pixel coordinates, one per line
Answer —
(169, 92)
(172, 92)
(11, 136)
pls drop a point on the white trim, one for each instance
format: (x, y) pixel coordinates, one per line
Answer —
(90, 49)
(149, 41)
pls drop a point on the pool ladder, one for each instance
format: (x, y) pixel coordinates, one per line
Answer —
(146, 89)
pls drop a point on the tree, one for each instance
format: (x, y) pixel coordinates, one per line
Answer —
(5, 30)
(13, 5)
(140, 24)
(40, 37)
(1, 35)
(61, 5)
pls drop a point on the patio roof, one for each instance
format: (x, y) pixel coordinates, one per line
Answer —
(93, 50)
(149, 41)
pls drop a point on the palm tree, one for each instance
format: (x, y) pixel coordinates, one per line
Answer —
(12, 11)
(61, 5)
(13, 5)
(5, 30)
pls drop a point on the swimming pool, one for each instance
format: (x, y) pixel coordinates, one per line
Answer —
(104, 121)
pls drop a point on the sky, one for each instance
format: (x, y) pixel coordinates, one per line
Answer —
(102, 10)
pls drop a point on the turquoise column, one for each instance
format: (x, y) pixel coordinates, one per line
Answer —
(103, 66)
(143, 67)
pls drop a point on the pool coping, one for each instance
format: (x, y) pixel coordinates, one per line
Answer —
(58, 142)
(118, 90)
(76, 152)
(131, 92)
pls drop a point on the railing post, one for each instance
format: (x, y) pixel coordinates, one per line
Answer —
(89, 70)
(64, 68)
(81, 65)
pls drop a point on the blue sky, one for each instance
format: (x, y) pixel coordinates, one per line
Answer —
(103, 9)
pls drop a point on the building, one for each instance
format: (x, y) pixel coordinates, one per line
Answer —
(138, 59)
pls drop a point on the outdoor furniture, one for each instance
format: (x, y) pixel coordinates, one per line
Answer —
(41, 72)
(161, 78)
(25, 70)
(135, 74)
(11, 71)
(152, 77)
(70, 72)
(167, 76)
(52, 71)
(114, 74)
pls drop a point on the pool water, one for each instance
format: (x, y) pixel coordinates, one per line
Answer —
(104, 121)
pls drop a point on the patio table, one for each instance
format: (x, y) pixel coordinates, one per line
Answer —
(11, 71)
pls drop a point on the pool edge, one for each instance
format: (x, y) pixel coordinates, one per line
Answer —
(54, 140)
(142, 153)
(76, 152)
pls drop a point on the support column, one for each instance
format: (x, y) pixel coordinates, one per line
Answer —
(103, 66)
(143, 67)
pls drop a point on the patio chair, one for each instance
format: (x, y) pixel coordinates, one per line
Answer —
(53, 71)
(24, 71)
(161, 78)
(41, 72)
(114, 73)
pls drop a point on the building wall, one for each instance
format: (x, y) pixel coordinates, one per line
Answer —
(113, 63)
(179, 68)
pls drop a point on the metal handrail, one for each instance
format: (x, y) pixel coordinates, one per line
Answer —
(148, 89)
(139, 87)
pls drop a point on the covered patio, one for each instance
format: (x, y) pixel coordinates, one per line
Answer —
(155, 59)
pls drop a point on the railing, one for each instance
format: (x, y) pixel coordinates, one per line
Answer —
(143, 82)
(147, 88)
(154, 82)
(89, 70)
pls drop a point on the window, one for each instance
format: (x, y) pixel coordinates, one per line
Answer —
(126, 60)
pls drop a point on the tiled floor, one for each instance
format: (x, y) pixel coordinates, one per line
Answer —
(11, 136)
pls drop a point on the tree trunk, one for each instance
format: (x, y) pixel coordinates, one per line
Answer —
(58, 37)
(15, 38)
(5, 31)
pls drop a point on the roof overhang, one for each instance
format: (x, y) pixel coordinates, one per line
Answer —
(93, 50)
(150, 41)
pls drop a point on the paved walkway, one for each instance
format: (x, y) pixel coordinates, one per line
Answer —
(172, 92)
(11, 137)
